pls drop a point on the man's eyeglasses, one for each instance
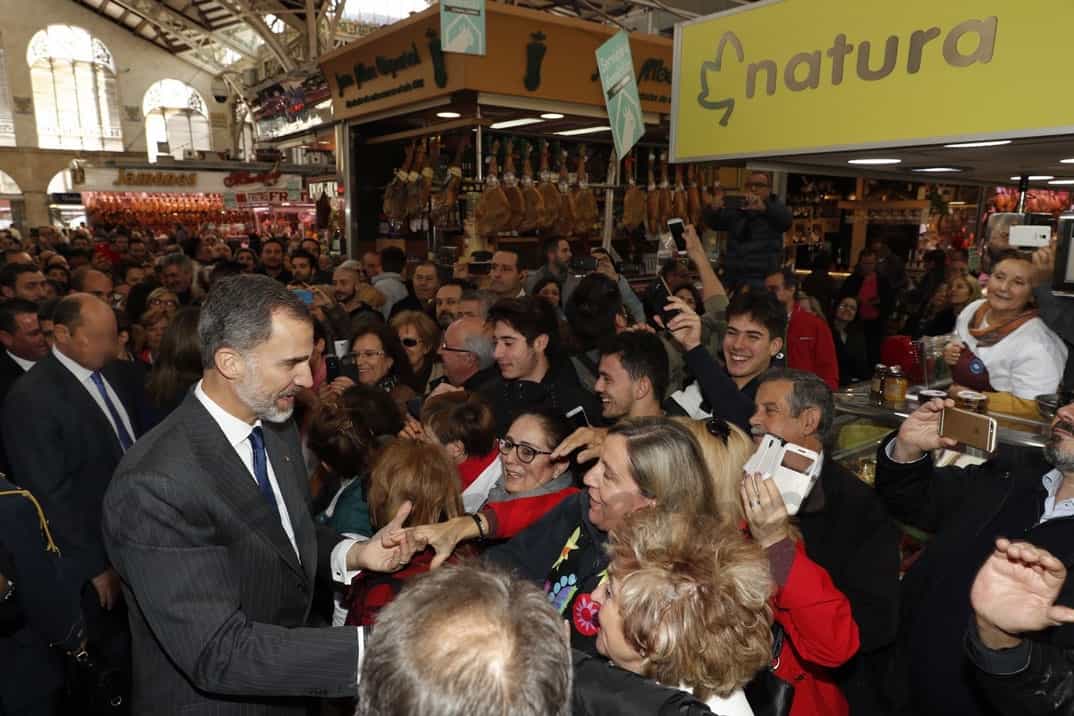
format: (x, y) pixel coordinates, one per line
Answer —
(164, 302)
(525, 453)
(719, 428)
(410, 342)
(368, 355)
(445, 347)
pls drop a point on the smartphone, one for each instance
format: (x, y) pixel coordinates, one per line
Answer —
(333, 366)
(578, 418)
(583, 265)
(969, 428)
(304, 294)
(678, 228)
(794, 469)
(1030, 237)
(666, 314)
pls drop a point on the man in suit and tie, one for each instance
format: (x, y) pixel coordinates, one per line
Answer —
(208, 524)
(22, 339)
(66, 424)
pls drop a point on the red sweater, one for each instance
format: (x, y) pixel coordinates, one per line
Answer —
(821, 635)
(472, 467)
(810, 346)
(507, 519)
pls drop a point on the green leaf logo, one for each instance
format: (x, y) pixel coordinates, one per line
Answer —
(727, 104)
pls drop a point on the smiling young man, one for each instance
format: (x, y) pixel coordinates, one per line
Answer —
(525, 336)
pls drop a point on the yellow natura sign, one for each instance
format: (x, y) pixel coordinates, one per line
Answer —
(805, 76)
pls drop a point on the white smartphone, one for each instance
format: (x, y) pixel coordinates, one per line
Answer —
(794, 469)
(1030, 237)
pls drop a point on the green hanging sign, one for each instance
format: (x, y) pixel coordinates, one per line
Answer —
(616, 67)
(462, 26)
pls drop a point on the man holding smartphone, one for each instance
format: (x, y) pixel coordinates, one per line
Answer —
(966, 510)
(755, 248)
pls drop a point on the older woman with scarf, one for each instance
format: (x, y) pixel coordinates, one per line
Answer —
(1004, 350)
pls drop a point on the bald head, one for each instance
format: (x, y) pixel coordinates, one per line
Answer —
(467, 349)
(84, 330)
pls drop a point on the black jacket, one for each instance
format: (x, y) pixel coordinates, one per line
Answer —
(559, 391)
(602, 689)
(1034, 679)
(725, 399)
(532, 553)
(10, 371)
(755, 247)
(853, 360)
(966, 510)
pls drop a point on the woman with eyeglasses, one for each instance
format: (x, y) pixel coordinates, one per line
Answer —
(421, 339)
(164, 299)
(848, 334)
(382, 362)
(528, 484)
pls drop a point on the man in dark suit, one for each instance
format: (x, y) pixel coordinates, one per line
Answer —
(845, 528)
(22, 339)
(66, 424)
(208, 524)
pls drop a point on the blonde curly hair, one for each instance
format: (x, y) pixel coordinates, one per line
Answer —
(693, 595)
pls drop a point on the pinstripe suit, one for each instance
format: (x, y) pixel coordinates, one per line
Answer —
(218, 599)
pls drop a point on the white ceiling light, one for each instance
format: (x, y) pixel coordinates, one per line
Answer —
(1066, 161)
(936, 170)
(874, 162)
(586, 130)
(974, 145)
(515, 123)
(1035, 177)
(448, 115)
(551, 115)
(1062, 182)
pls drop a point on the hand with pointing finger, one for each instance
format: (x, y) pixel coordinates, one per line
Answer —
(390, 549)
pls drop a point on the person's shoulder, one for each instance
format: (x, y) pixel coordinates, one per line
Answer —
(840, 482)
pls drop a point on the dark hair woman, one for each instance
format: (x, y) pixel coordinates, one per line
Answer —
(178, 364)
(382, 362)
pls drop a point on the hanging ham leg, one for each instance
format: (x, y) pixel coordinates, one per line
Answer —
(568, 217)
(511, 190)
(493, 212)
(633, 199)
(652, 201)
(532, 198)
(549, 193)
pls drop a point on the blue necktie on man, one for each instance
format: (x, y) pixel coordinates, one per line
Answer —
(257, 442)
(125, 440)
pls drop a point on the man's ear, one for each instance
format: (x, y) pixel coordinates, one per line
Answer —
(540, 343)
(810, 418)
(775, 346)
(229, 364)
(642, 388)
(8, 292)
(6, 339)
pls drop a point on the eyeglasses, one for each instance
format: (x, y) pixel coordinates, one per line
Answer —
(410, 342)
(756, 185)
(525, 453)
(718, 428)
(164, 302)
(445, 347)
(367, 354)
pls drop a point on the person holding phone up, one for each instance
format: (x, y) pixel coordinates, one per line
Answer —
(966, 510)
(756, 228)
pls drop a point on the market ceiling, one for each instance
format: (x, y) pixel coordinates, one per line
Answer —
(1041, 158)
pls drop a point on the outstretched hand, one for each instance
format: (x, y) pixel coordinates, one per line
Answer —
(589, 440)
(390, 549)
(920, 432)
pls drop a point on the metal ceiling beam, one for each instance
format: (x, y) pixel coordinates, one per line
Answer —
(148, 8)
(258, 25)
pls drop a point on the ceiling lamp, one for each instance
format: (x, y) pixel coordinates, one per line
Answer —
(515, 123)
(551, 115)
(1062, 182)
(1035, 177)
(936, 170)
(1066, 161)
(874, 162)
(448, 115)
(586, 130)
(975, 145)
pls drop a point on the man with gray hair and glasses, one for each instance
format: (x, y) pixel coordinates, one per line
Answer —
(467, 641)
(844, 526)
(207, 522)
(466, 353)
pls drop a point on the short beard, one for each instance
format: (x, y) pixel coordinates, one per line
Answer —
(1060, 460)
(262, 406)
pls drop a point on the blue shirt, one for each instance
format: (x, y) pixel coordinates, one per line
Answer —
(1052, 510)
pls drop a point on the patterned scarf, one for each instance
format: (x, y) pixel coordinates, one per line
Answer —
(991, 335)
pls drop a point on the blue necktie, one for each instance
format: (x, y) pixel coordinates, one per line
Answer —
(257, 442)
(125, 440)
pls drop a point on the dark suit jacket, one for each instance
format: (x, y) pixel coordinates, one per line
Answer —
(62, 448)
(10, 371)
(218, 600)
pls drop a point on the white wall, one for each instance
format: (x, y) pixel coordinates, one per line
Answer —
(139, 64)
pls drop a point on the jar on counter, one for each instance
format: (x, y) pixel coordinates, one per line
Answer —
(895, 387)
(876, 390)
(972, 400)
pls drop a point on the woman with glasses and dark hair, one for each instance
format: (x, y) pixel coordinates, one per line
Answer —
(421, 339)
(382, 361)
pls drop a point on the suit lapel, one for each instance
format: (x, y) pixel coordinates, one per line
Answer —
(83, 405)
(290, 475)
(232, 481)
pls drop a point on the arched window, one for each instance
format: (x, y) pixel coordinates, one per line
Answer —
(75, 98)
(175, 115)
(7, 118)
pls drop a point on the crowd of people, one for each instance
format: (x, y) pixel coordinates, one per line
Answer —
(253, 478)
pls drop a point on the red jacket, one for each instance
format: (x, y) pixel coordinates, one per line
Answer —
(507, 519)
(821, 635)
(810, 346)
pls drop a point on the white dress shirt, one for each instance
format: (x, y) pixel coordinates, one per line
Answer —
(84, 377)
(26, 365)
(237, 433)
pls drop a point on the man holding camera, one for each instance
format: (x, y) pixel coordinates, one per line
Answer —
(756, 227)
(966, 510)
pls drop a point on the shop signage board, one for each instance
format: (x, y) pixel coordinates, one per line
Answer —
(616, 67)
(528, 54)
(462, 26)
(106, 179)
(787, 77)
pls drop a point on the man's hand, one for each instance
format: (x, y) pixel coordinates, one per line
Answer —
(1043, 265)
(605, 265)
(754, 203)
(1015, 593)
(108, 588)
(765, 510)
(589, 440)
(952, 352)
(390, 549)
(686, 327)
(920, 432)
(694, 249)
(716, 200)
(443, 537)
(414, 430)
(336, 388)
